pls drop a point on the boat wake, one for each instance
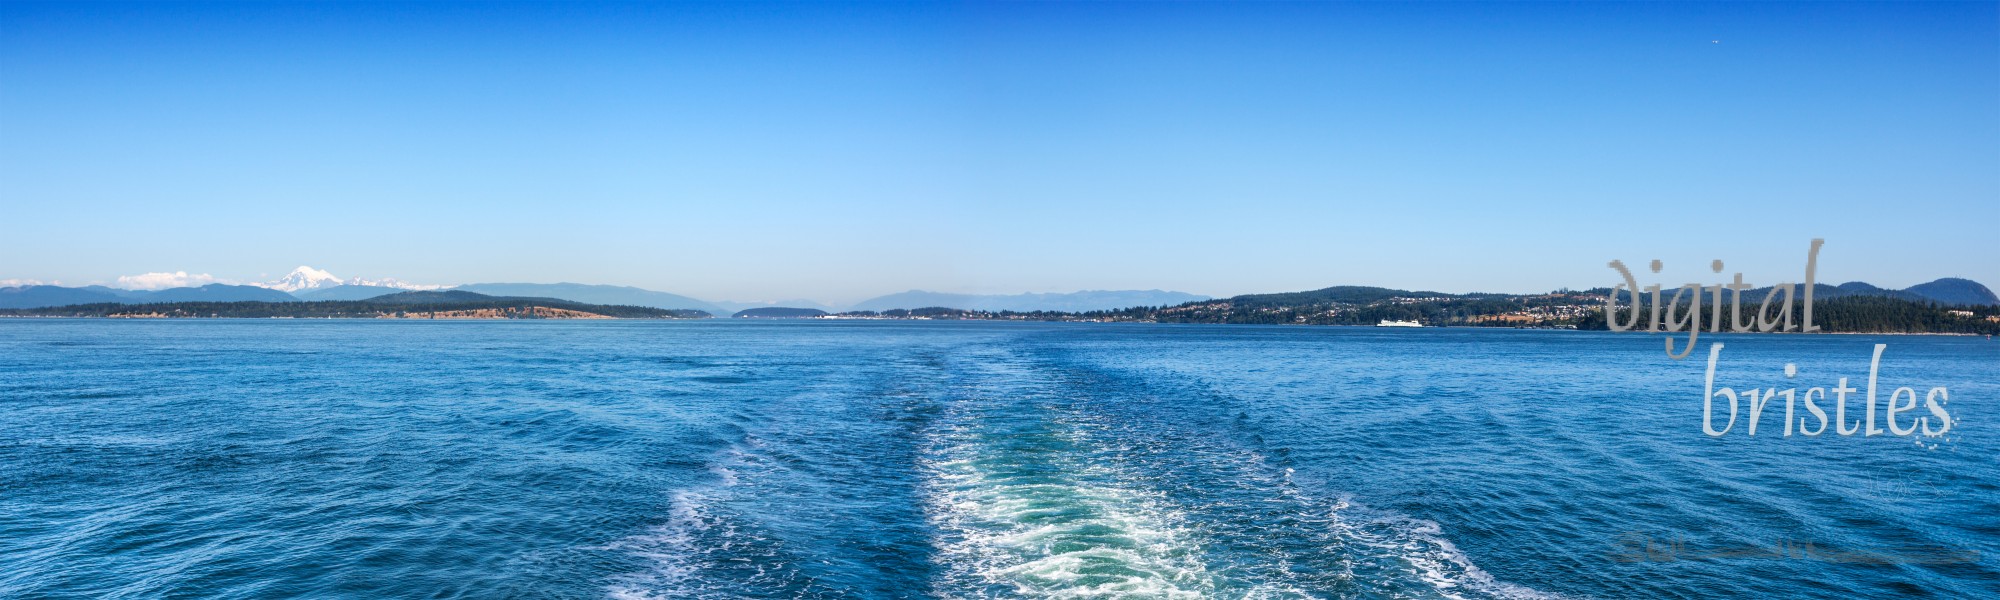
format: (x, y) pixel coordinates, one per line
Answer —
(1027, 508)
(1048, 482)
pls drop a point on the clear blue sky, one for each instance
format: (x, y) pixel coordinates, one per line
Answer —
(837, 152)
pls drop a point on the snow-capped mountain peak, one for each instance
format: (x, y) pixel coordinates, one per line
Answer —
(303, 278)
(391, 282)
(307, 279)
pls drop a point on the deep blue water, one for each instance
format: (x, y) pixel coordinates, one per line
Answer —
(725, 459)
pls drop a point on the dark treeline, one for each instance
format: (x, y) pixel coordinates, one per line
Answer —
(1559, 309)
(1846, 314)
(355, 309)
(1368, 306)
(1346, 306)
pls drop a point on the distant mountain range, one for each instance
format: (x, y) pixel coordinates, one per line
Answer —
(321, 286)
(1949, 290)
(214, 292)
(37, 296)
(1952, 290)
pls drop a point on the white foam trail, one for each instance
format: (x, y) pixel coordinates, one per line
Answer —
(1009, 522)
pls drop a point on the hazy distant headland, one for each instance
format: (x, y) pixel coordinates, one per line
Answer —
(779, 312)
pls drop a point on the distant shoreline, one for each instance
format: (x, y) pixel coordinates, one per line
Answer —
(1345, 306)
(1851, 307)
(974, 320)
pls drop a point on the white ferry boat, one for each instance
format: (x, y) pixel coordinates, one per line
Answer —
(1390, 323)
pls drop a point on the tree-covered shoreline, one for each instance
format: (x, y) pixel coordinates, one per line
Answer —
(1561, 309)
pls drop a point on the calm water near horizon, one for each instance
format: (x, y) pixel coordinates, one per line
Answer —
(901, 459)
